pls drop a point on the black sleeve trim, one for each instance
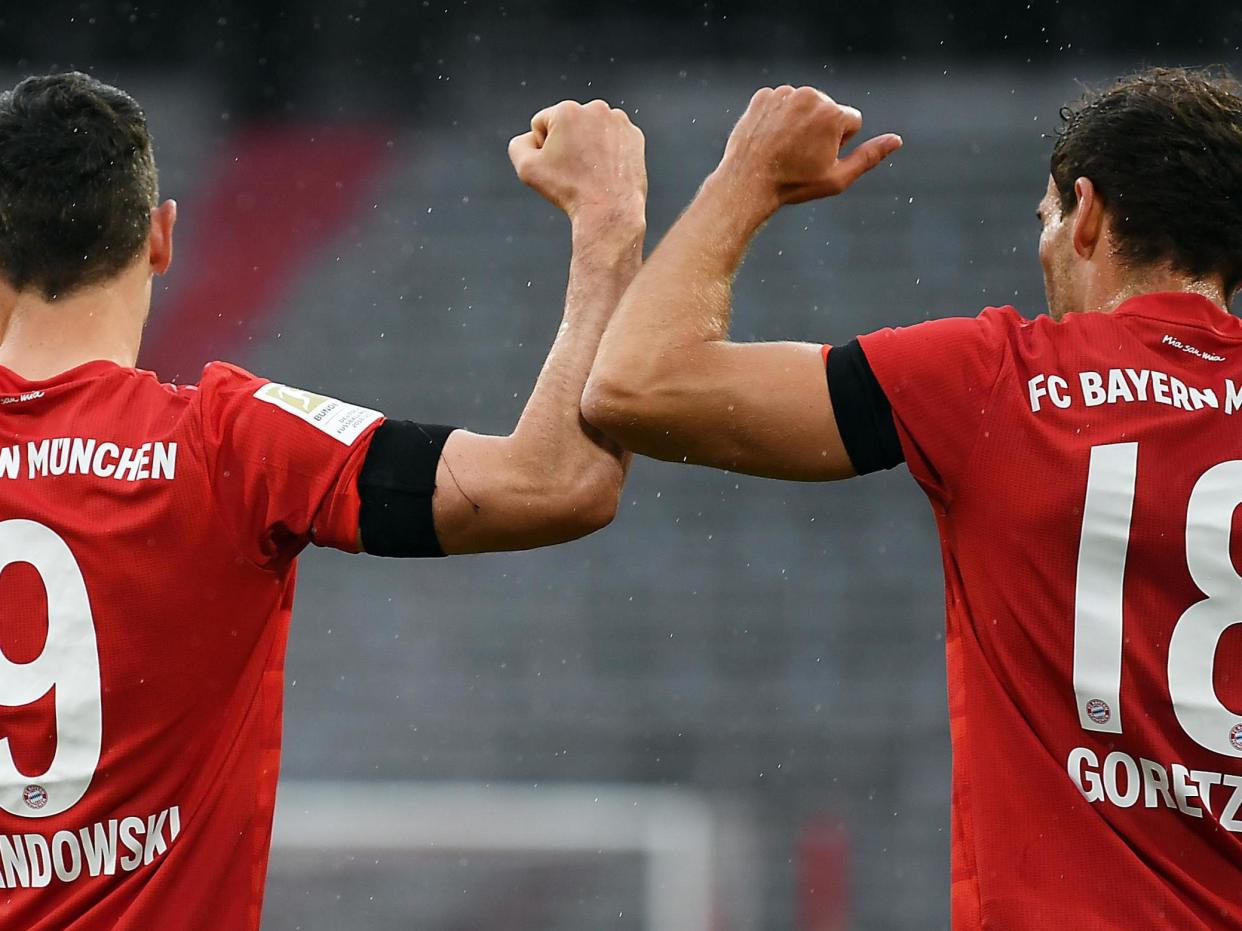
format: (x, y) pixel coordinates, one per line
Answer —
(863, 414)
(396, 483)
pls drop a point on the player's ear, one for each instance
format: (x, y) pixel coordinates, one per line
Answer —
(163, 218)
(1088, 218)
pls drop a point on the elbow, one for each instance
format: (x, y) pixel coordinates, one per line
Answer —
(634, 401)
(586, 498)
(610, 404)
(593, 517)
(641, 415)
(573, 514)
(594, 503)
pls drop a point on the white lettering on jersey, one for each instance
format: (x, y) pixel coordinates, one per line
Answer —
(13, 862)
(343, 422)
(36, 457)
(163, 460)
(98, 466)
(1186, 347)
(66, 856)
(99, 846)
(1130, 386)
(33, 860)
(75, 455)
(1233, 396)
(40, 860)
(1126, 782)
(1052, 387)
(10, 461)
(1092, 388)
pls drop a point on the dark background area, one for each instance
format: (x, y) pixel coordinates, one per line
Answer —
(349, 223)
(275, 58)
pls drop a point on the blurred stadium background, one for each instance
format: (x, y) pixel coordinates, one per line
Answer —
(726, 711)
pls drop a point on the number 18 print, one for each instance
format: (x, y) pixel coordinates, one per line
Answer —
(1098, 622)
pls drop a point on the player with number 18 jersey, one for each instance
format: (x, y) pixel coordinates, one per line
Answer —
(1085, 470)
(1086, 476)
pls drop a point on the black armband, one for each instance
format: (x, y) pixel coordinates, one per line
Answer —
(864, 417)
(396, 484)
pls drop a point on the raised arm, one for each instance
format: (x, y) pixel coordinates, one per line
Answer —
(555, 478)
(667, 382)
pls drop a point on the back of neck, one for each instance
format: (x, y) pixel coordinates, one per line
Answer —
(40, 338)
(1108, 294)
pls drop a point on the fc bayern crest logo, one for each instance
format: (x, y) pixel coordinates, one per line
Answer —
(35, 796)
(1235, 737)
(1098, 711)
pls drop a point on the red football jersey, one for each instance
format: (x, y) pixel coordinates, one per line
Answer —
(148, 536)
(1085, 476)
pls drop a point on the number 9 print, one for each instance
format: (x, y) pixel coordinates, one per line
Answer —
(69, 662)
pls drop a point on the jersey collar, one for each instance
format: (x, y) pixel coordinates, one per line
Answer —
(12, 383)
(1183, 307)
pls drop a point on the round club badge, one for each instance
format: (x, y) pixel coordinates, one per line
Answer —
(1098, 711)
(35, 796)
(1235, 737)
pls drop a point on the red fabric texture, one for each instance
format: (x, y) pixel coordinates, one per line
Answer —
(190, 582)
(1031, 851)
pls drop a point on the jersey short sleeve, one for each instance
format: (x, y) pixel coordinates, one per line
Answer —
(938, 377)
(283, 463)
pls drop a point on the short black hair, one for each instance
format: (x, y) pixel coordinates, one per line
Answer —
(1163, 148)
(77, 182)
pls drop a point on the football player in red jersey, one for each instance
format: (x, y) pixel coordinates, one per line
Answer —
(149, 533)
(1084, 468)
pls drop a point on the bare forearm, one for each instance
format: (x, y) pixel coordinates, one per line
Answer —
(607, 254)
(684, 293)
(667, 382)
(555, 477)
(674, 317)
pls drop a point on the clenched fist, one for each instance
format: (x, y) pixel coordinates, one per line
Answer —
(789, 142)
(584, 157)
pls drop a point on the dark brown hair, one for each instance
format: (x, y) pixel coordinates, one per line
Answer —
(1163, 148)
(77, 182)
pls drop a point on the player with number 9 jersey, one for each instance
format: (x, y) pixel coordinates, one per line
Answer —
(150, 532)
(148, 549)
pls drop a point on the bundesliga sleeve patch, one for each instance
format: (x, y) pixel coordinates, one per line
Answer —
(343, 422)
